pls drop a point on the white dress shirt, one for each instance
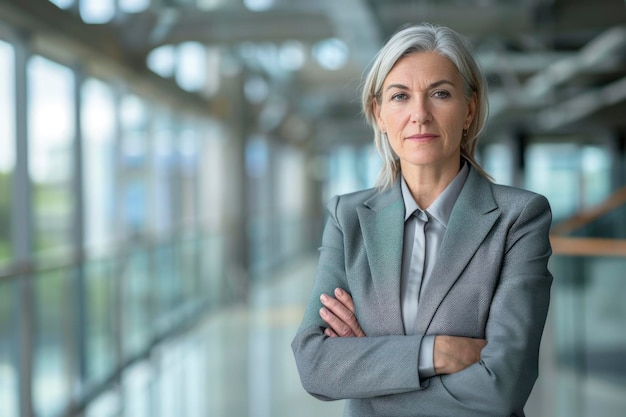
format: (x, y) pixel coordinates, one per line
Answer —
(417, 266)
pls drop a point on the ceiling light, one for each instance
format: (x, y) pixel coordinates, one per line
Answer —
(331, 54)
(258, 5)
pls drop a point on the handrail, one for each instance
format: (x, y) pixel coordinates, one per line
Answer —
(587, 216)
(589, 246)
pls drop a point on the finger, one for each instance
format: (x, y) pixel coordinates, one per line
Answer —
(350, 317)
(336, 325)
(345, 298)
(330, 333)
(343, 314)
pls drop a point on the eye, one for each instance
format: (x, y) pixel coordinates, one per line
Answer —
(399, 97)
(441, 94)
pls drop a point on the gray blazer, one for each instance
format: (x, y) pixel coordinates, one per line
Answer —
(490, 281)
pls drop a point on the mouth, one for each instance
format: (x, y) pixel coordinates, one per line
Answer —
(422, 137)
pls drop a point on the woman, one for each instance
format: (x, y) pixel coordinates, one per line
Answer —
(432, 289)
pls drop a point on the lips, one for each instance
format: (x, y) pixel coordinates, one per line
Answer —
(422, 137)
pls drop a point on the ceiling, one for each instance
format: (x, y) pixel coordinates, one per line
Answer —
(552, 65)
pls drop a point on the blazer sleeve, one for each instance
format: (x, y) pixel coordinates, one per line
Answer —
(500, 383)
(508, 367)
(348, 367)
(382, 371)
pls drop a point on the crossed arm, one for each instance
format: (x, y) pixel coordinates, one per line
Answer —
(451, 354)
(380, 371)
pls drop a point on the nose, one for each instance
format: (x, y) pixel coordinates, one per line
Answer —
(420, 112)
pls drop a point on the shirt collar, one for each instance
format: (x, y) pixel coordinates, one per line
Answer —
(441, 208)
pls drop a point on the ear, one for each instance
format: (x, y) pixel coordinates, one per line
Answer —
(379, 120)
(471, 111)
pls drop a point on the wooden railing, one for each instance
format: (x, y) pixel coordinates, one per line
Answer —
(589, 246)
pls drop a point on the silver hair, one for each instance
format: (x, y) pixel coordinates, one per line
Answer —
(424, 37)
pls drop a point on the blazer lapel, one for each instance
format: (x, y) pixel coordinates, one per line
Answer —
(382, 224)
(473, 216)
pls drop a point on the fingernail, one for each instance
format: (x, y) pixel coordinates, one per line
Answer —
(323, 312)
(338, 292)
(323, 297)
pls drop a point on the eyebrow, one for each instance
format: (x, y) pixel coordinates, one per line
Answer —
(433, 85)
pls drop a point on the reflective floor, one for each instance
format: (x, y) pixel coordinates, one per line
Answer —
(252, 371)
(238, 363)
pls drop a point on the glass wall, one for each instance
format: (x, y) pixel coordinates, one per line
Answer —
(128, 237)
(573, 176)
(351, 168)
(588, 376)
(8, 289)
(51, 121)
(7, 144)
(213, 169)
(99, 131)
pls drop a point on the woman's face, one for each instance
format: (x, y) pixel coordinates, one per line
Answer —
(423, 110)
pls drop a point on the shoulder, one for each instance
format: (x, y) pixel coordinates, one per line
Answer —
(347, 203)
(507, 194)
(516, 200)
(479, 193)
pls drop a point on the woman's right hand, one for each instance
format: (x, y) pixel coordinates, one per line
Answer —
(451, 353)
(454, 353)
(338, 313)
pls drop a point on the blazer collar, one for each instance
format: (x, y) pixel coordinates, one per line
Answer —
(382, 223)
(473, 216)
(383, 199)
(381, 219)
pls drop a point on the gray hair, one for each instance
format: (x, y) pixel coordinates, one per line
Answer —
(424, 37)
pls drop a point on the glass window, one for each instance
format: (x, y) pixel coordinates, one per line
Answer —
(499, 162)
(188, 165)
(552, 170)
(189, 241)
(98, 125)
(51, 135)
(570, 175)
(136, 382)
(212, 188)
(291, 192)
(134, 145)
(165, 192)
(102, 306)
(133, 170)
(8, 299)
(7, 144)
(51, 130)
(595, 165)
(8, 348)
(342, 171)
(136, 303)
(54, 343)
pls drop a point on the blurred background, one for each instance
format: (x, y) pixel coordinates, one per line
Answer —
(164, 167)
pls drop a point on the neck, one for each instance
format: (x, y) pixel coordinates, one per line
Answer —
(426, 183)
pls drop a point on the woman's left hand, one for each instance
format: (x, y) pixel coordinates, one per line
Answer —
(338, 313)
